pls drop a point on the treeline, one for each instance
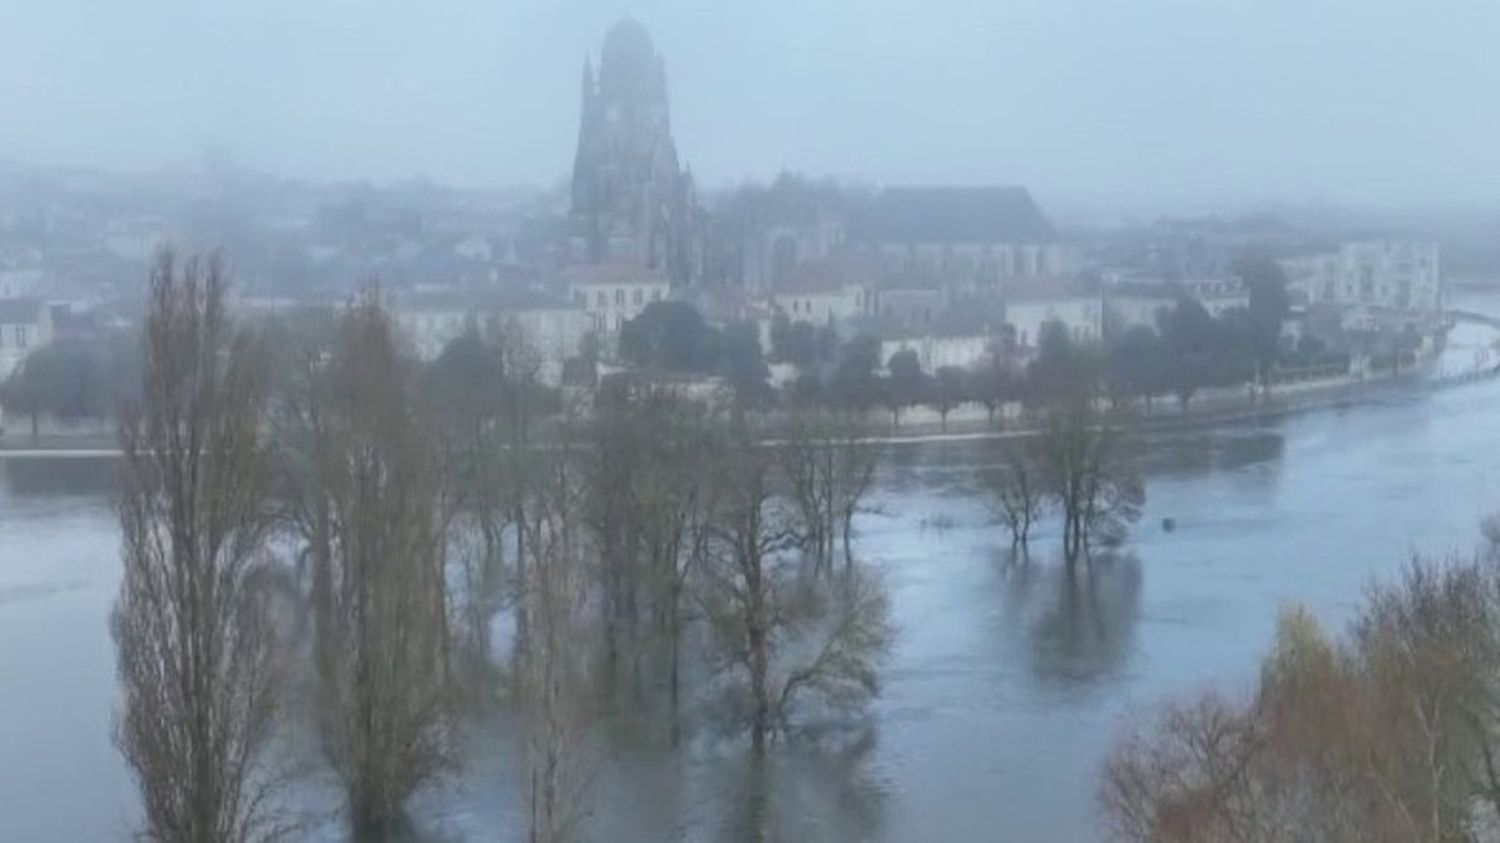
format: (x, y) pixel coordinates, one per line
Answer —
(1187, 351)
(74, 379)
(1387, 733)
(320, 531)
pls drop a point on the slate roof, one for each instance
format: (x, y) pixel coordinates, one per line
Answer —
(953, 215)
(830, 274)
(499, 298)
(613, 273)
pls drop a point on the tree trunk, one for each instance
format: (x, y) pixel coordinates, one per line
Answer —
(759, 683)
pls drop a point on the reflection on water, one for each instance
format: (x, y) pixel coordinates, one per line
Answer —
(1077, 624)
(31, 477)
(802, 791)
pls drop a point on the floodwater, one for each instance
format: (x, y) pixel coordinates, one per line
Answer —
(1006, 684)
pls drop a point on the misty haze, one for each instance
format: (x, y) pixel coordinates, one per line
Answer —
(1027, 421)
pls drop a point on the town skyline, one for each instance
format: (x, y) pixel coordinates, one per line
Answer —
(886, 97)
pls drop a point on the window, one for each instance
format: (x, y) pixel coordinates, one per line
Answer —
(601, 299)
(620, 297)
(637, 296)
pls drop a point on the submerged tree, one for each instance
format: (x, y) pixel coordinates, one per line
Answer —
(369, 503)
(555, 676)
(1018, 493)
(828, 467)
(1090, 473)
(197, 648)
(782, 632)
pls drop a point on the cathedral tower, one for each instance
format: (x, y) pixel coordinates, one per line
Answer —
(631, 200)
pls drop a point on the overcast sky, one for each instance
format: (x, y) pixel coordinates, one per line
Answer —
(1086, 101)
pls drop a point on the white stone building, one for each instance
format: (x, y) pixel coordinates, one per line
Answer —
(937, 352)
(551, 326)
(826, 291)
(1080, 313)
(613, 294)
(1403, 275)
(1130, 305)
(1218, 294)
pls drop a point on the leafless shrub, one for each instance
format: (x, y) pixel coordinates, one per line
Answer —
(197, 645)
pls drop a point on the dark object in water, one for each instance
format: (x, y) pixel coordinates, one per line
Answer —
(1168, 524)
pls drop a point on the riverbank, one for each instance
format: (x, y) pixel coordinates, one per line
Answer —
(971, 421)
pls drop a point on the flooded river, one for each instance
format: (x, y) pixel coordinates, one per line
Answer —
(1006, 684)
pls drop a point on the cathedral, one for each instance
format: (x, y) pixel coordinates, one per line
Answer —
(632, 202)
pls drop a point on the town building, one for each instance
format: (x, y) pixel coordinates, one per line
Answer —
(615, 293)
(826, 291)
(1219, 294)
(549, 325)
(1028, 308)
(938, 352)
(759, 234)
(1135, 304)
(909, 307)
(1402, 275)
(25, 326)
(966, 237)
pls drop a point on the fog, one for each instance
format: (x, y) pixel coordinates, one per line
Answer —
(1087, 102)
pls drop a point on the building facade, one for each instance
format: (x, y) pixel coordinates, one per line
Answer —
(1404, 275)
(552, 327)
(613, 294)
(962, 236)
(1080, 314)
(939, 352)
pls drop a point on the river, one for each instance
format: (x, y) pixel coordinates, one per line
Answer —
(1006, 684)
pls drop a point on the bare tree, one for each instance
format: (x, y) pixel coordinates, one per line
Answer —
(856, 459)
(829, 468)
(556, 670)
(807, 461)
(790, 634)
(197, 647)
(369, 504)
(1018, 493)
(1089, 471)
(836, 644)
(466, 389)
(751, 531)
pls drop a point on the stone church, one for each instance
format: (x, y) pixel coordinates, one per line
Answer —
(632, 201)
